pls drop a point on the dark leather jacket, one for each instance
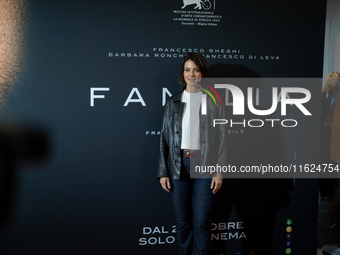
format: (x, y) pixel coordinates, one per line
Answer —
(213, 139)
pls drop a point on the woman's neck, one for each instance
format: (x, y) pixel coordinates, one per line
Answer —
(192, 89)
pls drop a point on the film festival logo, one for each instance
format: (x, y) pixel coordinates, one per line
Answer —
(205, 4)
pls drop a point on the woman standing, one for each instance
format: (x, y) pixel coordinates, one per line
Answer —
(185, 138)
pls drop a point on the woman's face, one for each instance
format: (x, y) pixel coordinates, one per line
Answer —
(192, 73)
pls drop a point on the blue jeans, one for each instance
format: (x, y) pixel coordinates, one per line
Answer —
(193, 202)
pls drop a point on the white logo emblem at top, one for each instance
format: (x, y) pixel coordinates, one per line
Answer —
(206, 4)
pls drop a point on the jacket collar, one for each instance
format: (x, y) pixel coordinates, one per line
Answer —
(177, 97)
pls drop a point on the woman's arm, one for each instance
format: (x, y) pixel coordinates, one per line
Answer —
(163, 173)
(217, 180)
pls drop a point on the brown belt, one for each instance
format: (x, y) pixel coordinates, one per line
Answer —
(190, 154)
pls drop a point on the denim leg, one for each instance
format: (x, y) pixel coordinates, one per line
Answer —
(181, 196)
(202, 205)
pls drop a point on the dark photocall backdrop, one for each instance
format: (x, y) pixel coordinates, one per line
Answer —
(98, 194)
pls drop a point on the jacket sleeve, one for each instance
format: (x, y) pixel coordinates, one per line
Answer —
(223, 150)
(163, 170)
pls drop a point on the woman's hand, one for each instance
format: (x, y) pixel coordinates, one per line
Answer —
(216, 182)
(165, 182)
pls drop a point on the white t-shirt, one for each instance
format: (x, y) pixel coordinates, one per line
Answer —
(190, 122)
